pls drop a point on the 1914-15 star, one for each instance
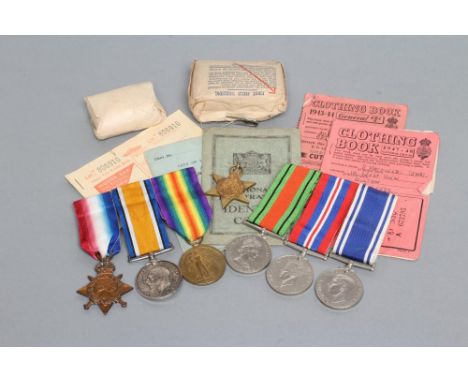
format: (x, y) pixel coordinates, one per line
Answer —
(105, 289)
(230, 188)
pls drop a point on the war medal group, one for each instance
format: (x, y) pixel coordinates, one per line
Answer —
(315, 213)
(319, 209)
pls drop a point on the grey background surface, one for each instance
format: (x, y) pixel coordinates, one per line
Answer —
(45, 133)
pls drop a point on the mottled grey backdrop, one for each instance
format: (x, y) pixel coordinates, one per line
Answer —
(45, 133)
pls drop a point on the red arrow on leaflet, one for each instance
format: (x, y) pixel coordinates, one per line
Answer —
(271, 89)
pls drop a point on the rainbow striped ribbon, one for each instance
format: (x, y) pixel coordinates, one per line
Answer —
(324, 214)
(365, 224)
(184, 206)
(143, 228)
(285, 199)
(98, 226)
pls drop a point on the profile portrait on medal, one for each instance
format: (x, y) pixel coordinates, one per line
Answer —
(157, 279)
(248, 252)
(340, 287)
(289, 274)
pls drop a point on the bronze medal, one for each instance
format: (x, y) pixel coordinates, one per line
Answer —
(105, 289)
(230, 188)
(202, 265)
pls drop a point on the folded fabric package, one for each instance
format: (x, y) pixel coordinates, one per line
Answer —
(125, 109)
(237, 90)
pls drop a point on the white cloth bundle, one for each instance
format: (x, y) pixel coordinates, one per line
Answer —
(125, 109)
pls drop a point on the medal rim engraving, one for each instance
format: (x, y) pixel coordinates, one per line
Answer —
(188, 273)
(173, 289)
(229, 250)
(326, 300)
(276, 289)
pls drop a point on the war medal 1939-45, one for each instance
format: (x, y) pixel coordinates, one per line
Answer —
(357, 244)
(232, 187)
(322, 217)
(99, 237)
(275, 214)
(290, 275)
(146, 238)
(185, 209)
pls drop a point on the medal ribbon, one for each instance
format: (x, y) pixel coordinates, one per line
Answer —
(285, 199)
(184, 206)
(365, 224)
(324, 214)
(139, 215)
(98, 225)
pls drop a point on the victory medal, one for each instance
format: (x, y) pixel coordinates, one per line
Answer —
(230, 188)
(185, 209)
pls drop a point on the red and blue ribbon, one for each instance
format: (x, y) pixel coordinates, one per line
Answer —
(324, 214)
(98, 225)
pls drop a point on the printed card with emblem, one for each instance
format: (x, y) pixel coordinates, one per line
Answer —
(261, 153)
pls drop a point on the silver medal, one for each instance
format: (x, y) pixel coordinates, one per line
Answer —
(248, 253)
(290, 275)
(158, 280)
(339, 288)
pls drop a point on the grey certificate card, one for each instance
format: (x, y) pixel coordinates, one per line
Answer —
(261, 152)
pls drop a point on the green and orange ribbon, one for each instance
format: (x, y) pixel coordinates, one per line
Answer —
(285, 199)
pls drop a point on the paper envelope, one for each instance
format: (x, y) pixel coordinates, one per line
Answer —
(126, 163)
(399, 161)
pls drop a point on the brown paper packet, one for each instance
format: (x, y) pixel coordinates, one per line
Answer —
(232, 90)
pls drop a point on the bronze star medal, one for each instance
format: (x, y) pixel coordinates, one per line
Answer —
(105, 289)
(230, 188)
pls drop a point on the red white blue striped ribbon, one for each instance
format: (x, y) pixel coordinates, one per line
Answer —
(324, 214)
(98, 226)
(364, 227)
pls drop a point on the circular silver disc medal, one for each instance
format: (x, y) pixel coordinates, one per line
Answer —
(290, 275)
(158, 280)
(248, 253)
(339, 288)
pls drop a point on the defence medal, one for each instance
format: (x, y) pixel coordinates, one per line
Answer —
(99, 237)
(232, 187)
(248, 253)
(146, 238)
(185, 209)
(275, 214)
(357, 244)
